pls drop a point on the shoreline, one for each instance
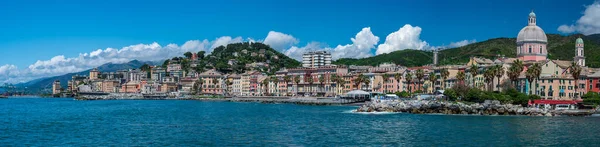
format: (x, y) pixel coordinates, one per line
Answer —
(489, 108)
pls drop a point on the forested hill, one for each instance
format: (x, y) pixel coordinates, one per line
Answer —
(243, 54)
(559, 47)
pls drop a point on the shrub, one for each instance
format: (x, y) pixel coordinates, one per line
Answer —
(403, 94)
(451, 94)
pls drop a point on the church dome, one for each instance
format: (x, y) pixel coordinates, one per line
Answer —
(532, 33)
(531, 14)
(579, 41)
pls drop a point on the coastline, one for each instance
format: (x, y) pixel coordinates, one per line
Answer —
(459, 108)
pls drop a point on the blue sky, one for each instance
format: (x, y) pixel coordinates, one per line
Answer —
(41, 30)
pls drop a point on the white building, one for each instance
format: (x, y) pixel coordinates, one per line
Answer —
(316, 59)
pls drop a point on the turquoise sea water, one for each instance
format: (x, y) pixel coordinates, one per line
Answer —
(66, 122)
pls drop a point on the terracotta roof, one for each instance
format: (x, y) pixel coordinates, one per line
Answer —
(562, 63)
(211, 73)
(483, 60)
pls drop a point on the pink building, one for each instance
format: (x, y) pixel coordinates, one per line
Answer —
(532, 41)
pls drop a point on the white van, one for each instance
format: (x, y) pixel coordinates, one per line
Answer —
(562, 107)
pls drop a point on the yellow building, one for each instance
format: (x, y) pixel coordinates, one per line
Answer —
(94, 74)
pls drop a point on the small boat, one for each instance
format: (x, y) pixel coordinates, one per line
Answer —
(3, 97)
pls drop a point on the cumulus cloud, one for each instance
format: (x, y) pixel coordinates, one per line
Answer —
(61, 64)
(407, 37)
(280, 41)
(588, 24)
(362, 45)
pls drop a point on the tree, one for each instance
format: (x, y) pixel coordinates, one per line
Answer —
(166, 63)
(489, 75)
(420, 75)
(228, 83)
(276, 81)
(515, 71)
(201, 55)
(297, 81)
(499, 72)
(530, 75)
(536, 70)
(432, 79)
(460, 76)
(398, 78)
(145, 67)
(310, 81)
(287, 79)
(362, 79)
(265, 84)
(385, 77)
(188, 55)
(409, 80)
(322, 82)
(444, 74)
(575, 72)
(474, 71)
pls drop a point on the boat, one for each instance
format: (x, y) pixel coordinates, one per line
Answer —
(3, 97)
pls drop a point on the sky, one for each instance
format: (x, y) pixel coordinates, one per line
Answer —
(55, 37)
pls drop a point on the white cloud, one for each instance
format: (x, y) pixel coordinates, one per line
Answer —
(362, 45)
(455, 44)
(280, 41)
(296, 52)
(224, 41)
(588, 24)
(60, 64)
(407, 37)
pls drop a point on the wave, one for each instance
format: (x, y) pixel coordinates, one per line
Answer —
(353, 111)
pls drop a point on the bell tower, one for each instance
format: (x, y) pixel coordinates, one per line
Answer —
(579, 54)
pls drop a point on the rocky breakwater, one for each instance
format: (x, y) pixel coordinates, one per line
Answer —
(445, 107)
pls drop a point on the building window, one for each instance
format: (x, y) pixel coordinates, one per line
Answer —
(541, 50)
(530, 49)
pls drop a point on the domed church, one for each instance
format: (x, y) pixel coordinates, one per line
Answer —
(531, 42)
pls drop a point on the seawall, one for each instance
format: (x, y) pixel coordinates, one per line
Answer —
(445, 107)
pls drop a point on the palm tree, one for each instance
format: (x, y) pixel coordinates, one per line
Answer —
(385, 78)
(409, 80)
(340, 82)
(460, 76)
(489, 75)
(398, 78)
(287, 79)
(265, 84)
(420, 75)
(473, 71)
(228, 83)
(276, 81)
(297, 81)
(515, 71)
(215, 82)
(433, 79)
(367, 81)
(499, 72)
(444, 73)
(322, 82)
(537, 71)
(575, 72)
(530, 75)
(197, 87)
(310, 81)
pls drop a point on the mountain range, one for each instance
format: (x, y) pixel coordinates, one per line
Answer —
(45, 83)
(559, 47)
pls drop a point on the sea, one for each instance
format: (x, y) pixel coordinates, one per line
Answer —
(68, 122)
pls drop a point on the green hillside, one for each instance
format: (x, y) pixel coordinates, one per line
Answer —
(246, 53)
(559, 47)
